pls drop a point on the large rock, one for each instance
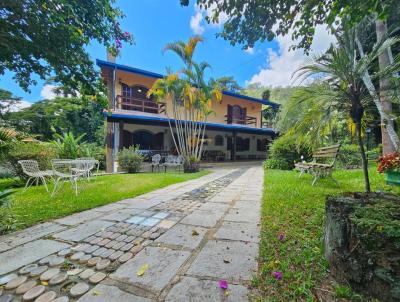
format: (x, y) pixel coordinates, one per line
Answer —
(362, 242)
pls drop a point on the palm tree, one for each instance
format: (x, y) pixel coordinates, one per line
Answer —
(342, 69)
(191, 98)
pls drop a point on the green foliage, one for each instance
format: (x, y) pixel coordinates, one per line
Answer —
(345, 292)
(130, 160)
(7, 102)
(349, 157)
(266, 94)
(227, 83)
(47, 117)
(7, 221)
(7, 138)
(69, 146)
(43, 153)
(284, 152)
(51, 37)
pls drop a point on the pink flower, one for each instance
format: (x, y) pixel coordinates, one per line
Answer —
(281, 237)
(223, 284)
(277, 275)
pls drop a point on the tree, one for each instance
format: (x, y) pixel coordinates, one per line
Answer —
(192, 99)
(7, 103)
(343, 70)
(266, 94)
(50, 38)
(227, 83)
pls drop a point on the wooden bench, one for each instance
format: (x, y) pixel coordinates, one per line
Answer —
(320, 170)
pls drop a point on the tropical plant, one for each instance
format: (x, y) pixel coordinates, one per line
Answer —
(192, 99)
(130, 160)
(343, 70)
(7, 220)
(7, 137)
(68, 146)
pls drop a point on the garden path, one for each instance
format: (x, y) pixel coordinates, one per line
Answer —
(179, 243)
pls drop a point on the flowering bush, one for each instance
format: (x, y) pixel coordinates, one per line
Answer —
(389, 162)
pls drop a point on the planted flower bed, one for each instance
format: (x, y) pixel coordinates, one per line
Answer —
(390, 165)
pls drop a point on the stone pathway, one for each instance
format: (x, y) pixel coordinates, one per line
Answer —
(173, 244)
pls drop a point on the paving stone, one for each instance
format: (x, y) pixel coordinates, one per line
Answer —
(7, 278)
(88, 239)
(56, 261)
(136, 249)
(110, 207)
(28, 253)
(182, 235)
(79, 289)
(118, 245)
(244, 215)
(77, 256)
(114, 235)
(102, 264)
(99, 251)
(93, 261)
(47, 297)
(166, 224)
(129, 239)
(65, 252)
(87, 273)
(97, 277)
(103, 242)
(125, 257)
(6, 298)
(107, 293)
(23, 288)
(91, 249)
(111, 244)
(83, 230)
(238, 231)
(202, 218)
(163, 263)
(61, 299)
(195, 290)
(38, 271)
(121, 237)
(81, 247)
(106, 253)
(96, 240)
(27, 269)
(211, 261)
(33, 293)
(58, 279)
(14, 283)
(47, 275)
(45, 260)
(79, 217)
(84, 259)
(126, 247)
(118, 216)
(115, 255)
(74, 271)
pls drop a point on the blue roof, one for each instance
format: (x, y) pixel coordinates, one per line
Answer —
(150, 74)
(160, 119)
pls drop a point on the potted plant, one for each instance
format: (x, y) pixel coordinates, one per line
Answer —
(390, 165)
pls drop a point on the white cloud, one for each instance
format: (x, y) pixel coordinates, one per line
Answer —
(47, 92)
(195, 23)
(18, 106)
(198, 22)
(282, 64)
(249, 50)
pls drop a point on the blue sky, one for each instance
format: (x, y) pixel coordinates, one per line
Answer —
(154, 23)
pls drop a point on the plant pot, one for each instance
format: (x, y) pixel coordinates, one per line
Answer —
(392, 177)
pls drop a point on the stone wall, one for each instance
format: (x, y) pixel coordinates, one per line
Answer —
(362, 243)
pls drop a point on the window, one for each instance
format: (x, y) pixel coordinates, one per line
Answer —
(262, 144)
(135, 98)
(219, 140)
(242, 144)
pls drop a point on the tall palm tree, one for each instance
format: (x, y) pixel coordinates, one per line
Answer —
(191, 98)
(342, 69)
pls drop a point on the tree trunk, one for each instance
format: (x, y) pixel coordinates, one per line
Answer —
(363, 157)
(384, 85)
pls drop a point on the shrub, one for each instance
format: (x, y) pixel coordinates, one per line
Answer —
(284, 152)
(349, 157)
(43, 153)
(7, 221)
(130, 159)
(68, 146)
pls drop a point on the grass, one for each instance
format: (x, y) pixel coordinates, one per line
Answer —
(36, 205)
(294, 208)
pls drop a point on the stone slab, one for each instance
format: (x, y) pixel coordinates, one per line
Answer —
(163, 264)
(82, 231)
(214, 206)
(195, 290)
(243, 215)
(182, 234)
(140, 203)
(107, 293)
(243, 231)
(206, 219)
(110, 207)
(79, 217)
(211, 261)
(28, 253)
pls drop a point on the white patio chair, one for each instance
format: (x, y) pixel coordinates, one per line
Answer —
(31, 168)
(63, 171)
(84, 166)
(173, 161)
(155, 162)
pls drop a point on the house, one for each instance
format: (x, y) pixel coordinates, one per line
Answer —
(235, 131)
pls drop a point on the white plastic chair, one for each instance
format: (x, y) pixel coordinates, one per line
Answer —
(31, 168)
(155, 162)
(65, 170)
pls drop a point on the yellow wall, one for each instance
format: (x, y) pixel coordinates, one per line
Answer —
(220, 109)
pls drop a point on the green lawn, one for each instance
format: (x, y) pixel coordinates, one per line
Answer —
(35, 204)
(291, 206)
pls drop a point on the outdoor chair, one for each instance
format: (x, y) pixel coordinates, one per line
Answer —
(31, 168)
(317, 169)
(67, 170)
(173, 161)
(85, 165)
(155, 162)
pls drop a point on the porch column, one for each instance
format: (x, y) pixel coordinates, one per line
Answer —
(109, 148)
(121, 135)
(233, 157)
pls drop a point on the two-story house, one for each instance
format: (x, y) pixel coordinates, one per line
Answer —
(235, 130)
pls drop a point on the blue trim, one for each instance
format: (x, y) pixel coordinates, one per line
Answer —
(150, 74)
(143, 118)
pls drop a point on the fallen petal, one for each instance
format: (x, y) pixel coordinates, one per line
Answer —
(223, 284)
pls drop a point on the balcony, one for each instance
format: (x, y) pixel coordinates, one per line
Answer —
(247, 120)
(140, 104)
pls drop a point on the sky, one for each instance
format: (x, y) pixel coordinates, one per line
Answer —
(154, 23)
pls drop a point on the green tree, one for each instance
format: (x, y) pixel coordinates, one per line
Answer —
(7, 102)
(50, 38)
(227, 83)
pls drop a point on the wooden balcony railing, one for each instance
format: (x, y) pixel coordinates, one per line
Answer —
(136, 104)
(248, 120)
